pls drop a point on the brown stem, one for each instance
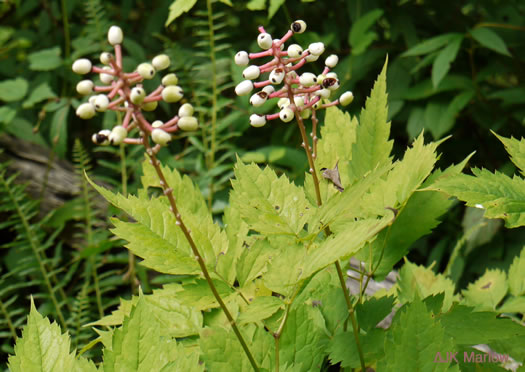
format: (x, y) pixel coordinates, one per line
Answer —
(168, 192)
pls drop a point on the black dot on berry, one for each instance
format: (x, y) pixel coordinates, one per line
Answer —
(296, 27)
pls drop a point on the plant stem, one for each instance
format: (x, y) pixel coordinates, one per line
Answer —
(213, 62)
(308, 150)
(168, 192)
(277, 336)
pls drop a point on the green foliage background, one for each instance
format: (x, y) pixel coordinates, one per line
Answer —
(454, 68)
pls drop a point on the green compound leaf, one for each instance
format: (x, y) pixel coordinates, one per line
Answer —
(13, 89)
(138, 346)
(45, 60)
(516, 276)
(415, 339)
(417, 218)
(43, 347)
(372, 311)
(421, 282)
(269, 204)
(500, 196)
(222, 351)
(156, 237)
(177, 8)
(490, 40)
(176, 319)
(372, 146)
(488, 291)
(470, 327)
(516, 150)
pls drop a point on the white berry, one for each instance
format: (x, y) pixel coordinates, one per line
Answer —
(244, 88)
(298, 26)
(86, 111)
(106, 78)
(277, 76)
(157, 124)
(82, 66)
(160, 137)
(170, 79)
(242, 59)
(258, 99)
(115, 35)
(146, 70)
(137, 95)
(283, 102)
(294, 50)
(257, 121)
(186, 110)
(346, 98)
(101, 103)
(251, 72)
(150, 106)
(316, 48)
(85, 87)
(105, 58)
(188, 123)
(331, 61)
(172, 93)
(102, 137)
(264, 40)
(117, 135)
(161, 62)
(286, 114)
(307, 79)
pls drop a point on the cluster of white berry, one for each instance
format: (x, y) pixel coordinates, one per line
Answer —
(124, 92)
(300, 94)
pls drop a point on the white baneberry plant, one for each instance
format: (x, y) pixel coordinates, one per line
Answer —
(297, 94)
(124, 92)
(262, 291)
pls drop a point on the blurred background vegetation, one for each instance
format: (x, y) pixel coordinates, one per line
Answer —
(455, 68)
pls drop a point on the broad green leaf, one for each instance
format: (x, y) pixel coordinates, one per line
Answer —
(372, 146)
(417, 218)
(269, 204)
(470, 327)
(343, 244)
(237, 231)
(488, 291)
(59, 129)
(176, 319)
(13, 89)
(177, 8)
(500, 196)
(426, 89)
(421, 282)
(45, 60)
(301, 338)
(222, 351)
(490, 40)
(360, 37)
(415, 339)
(342, 348)
(444, 59)
(43, 348)
(440, 118)
(39, 94)
(516, 150)
(273, 7)
(431, 44)
(7, 114)
(256, 5)
(516, 275)
(259, 309)
(197, 293)
(138, 345)
(335, 145)
(372, 311)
